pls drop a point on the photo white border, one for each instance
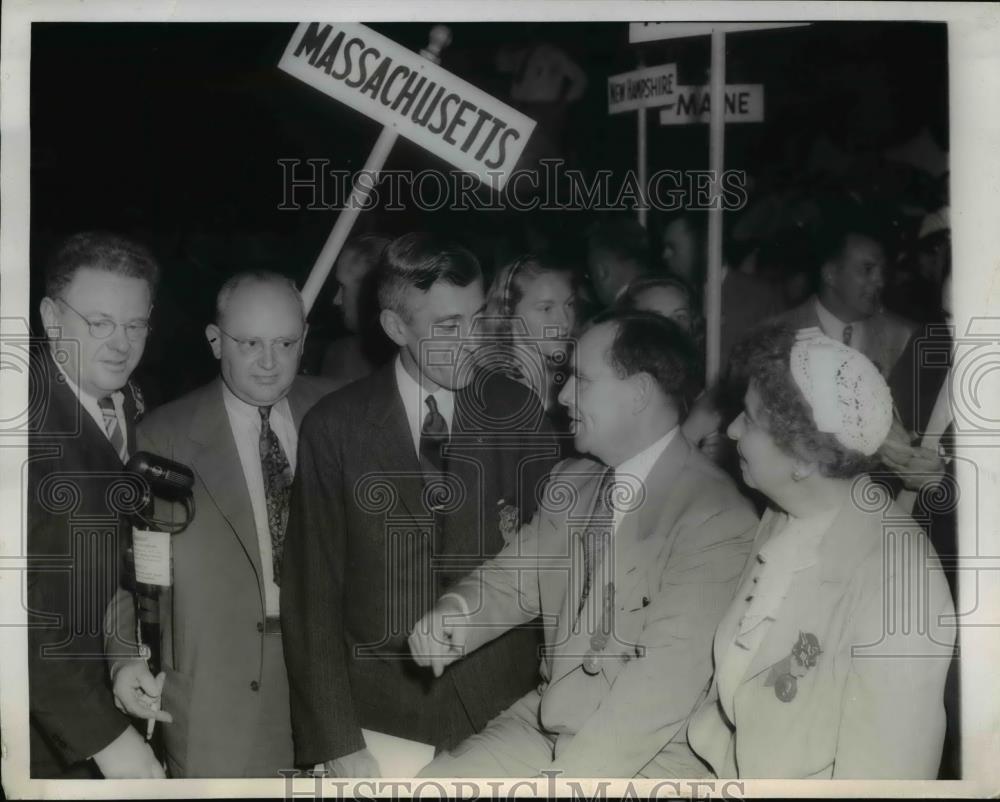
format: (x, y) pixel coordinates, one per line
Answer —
(974, 97)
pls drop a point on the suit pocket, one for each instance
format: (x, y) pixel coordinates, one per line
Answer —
(177, 701)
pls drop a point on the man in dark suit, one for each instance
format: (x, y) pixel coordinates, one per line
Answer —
(847, 305)
(406, 480)
(98, 297)
(226, 687)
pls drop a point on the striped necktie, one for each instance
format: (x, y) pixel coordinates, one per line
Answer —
(112, 428)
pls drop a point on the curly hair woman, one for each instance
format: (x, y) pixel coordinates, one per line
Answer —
(831, 660)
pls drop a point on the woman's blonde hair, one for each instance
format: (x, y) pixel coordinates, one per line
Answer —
(500, 322)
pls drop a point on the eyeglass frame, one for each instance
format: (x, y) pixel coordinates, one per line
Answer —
(114, 325)
(243, 342)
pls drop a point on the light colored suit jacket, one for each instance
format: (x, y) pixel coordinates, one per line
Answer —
(213, 615)
(676, 561)
(872, 706)
(886, 334)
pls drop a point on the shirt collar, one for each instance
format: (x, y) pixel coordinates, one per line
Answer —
(237, 406)
(414, 394)
(639, 465)
(85, 398)
(832, 326)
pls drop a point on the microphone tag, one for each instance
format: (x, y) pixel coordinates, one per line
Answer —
(152, 556)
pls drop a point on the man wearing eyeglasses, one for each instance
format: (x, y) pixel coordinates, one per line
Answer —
(99, 292)
(226, 688)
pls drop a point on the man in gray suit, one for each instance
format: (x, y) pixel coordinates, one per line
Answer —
(631, 561)
(226, 689)
(847, 305)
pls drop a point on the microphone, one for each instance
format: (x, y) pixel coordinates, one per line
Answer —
(169, 480)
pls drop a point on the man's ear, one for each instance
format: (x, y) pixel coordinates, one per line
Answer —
(644, 391)
(214, 336)
(393, 326)
(803, 470)
(50, 318)
(827, 273)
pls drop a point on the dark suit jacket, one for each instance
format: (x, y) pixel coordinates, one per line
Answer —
(77, 532)
(365, 558)
(213, 613)
(886, 334)
(746, 301)
(915, 382)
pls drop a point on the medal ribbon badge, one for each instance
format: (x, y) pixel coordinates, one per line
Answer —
(509, 519)
(785, 673)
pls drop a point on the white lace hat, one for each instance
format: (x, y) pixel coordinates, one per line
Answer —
(845, 391)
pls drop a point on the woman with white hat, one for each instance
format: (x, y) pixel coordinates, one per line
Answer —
(831, 660)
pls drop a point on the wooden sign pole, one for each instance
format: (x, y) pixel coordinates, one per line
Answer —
(440, 37)
(716, 142)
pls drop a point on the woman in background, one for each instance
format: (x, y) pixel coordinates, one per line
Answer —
(831, 660)
(671, 297)
(530, 315)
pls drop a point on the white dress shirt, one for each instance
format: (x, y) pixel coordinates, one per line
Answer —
(244, 420)
(89, 403)
(413, 396)
(833, 327)
(635, 470)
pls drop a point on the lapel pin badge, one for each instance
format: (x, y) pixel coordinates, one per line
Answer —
(785, 674)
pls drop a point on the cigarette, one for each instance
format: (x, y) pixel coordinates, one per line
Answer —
(151, 723)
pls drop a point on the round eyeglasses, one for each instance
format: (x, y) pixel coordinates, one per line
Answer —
(105, 327)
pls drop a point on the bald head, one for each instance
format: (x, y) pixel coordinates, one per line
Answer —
(275, 283)
(258, 336)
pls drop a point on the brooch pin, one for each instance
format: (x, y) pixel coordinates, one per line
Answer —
(785, 673)
(509, 518)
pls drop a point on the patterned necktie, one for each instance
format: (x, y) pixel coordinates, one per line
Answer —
(277, 487)
(112, 428)
(598, 529)
(848, 331)
(433, 436)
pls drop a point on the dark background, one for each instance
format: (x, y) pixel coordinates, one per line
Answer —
(172, 133)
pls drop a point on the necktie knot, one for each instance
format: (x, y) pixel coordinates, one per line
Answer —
(433, 435)
(265, 415)
(434, 422)
(848, 332)
(606, 494)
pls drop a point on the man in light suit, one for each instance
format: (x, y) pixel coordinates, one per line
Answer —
(848, 303)
(631, 562)
(226, 688)
(371, 546)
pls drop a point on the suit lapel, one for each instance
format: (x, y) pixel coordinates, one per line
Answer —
(815, 589)
(633, 539)
(632, 546)
(217, 463)
(565, 649)
(392, 441)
